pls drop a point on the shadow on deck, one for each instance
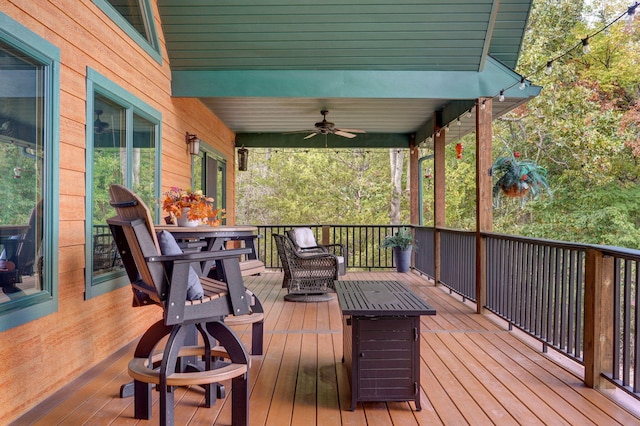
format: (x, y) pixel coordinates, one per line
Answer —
(473, 371)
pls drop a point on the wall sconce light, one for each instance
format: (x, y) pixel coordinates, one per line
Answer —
(243, 159)
(193, 143)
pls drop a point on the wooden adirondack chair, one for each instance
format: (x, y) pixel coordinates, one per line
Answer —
(162, 280)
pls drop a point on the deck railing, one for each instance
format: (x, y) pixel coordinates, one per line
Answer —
(571, 297)
(362, 243)
(578, 299)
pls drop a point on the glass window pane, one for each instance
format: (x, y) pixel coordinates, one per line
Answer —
(144, 160)
(21, 173)
(132, 11)
(109, 167)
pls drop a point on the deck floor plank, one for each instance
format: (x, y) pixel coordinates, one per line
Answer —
(473, 371)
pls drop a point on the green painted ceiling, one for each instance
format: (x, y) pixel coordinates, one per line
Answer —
(267, 67)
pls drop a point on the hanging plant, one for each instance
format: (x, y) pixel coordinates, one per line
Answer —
(518, 178)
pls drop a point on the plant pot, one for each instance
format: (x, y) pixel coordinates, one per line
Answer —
(402, 258)
(183, 220)
(515, 191)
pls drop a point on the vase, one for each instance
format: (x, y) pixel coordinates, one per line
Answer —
(183, 220)
(403, 258)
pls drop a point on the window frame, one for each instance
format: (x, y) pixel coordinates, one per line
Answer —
(152, 47)
(99, 84)
(29, 308)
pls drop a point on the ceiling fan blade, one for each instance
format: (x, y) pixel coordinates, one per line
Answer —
(298, 131)
(344, 134)
(352, 130)
(311, 135)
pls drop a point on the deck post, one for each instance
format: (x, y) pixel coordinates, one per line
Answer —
(325, 235)
(598, 318)
(484, 202)
(414, 179)
(439, 143)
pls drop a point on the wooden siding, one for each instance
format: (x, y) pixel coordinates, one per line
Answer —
(44, 355)
(473, 371)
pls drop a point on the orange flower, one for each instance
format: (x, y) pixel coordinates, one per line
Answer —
(200, 206)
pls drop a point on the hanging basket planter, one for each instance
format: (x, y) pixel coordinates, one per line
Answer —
(517, 178)
(514, 191)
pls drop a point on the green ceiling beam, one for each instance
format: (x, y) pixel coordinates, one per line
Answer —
(344, 84)
(278, 140)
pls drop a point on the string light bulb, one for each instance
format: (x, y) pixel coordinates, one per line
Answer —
(586, 48)
(631, 12)
(469, 114)
(522, 83)
(501, 98)
(459, 123)
(484, 105)
(548, 69)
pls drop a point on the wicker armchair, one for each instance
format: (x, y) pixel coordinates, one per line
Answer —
(307, 276)
(305, 242)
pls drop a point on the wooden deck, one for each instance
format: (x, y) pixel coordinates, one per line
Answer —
(473, 371)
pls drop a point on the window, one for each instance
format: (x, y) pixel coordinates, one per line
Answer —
(29, 87)
(210, 175)
(135, 17)
(123, 148)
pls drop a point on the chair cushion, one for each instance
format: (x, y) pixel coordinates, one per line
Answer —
(169, 246)
(304, 237)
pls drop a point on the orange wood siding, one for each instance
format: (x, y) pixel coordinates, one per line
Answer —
(42, 356)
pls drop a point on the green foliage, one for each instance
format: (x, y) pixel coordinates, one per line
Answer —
(20, 194)
(316, 186)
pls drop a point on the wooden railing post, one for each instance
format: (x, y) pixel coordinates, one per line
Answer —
(325, 235)
(598, 318)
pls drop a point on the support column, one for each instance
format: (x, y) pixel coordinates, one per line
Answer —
(439, 199)
(484, 202)
(414, 177)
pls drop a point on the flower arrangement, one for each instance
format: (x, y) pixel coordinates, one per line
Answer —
(200, 206)
(518, 178)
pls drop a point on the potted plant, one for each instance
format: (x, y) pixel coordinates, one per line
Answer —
(401, 242)
(518, 178)
(190, 208)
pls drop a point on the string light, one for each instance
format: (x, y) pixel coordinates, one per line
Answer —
(586, 49)
(584, 43)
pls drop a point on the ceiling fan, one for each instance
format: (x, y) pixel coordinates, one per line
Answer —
(325, 127)
(98, 125)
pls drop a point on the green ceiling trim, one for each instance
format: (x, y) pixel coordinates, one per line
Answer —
(487, 40)
(345, 84)
(279, 140)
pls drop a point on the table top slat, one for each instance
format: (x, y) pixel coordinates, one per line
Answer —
(379, 298)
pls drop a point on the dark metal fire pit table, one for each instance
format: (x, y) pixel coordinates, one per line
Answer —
(381, 340)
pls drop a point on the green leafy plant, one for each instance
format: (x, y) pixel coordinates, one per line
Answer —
(518, 178)
(402, 239)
